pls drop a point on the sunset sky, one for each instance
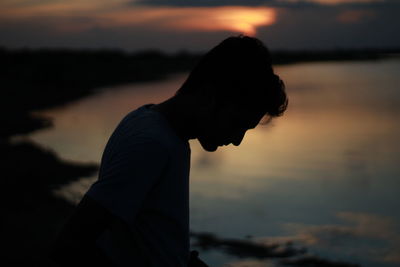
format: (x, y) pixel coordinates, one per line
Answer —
(197, 25)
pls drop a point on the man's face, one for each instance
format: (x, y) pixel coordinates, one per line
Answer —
(226, 126)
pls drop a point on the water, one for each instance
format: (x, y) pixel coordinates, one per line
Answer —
(325, 175)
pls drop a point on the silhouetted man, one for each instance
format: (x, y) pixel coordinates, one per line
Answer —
(137, 213)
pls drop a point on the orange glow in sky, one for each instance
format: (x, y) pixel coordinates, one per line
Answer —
(232, 18)
(238, 19)
(81, 16)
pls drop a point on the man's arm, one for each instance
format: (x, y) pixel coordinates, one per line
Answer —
(76, 241)
(113, 201)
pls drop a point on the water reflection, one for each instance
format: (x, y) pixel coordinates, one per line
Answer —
(325, 174)
(83, 127)
(362, 233)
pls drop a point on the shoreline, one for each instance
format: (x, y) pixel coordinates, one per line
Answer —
(36, 80)
(44, 78)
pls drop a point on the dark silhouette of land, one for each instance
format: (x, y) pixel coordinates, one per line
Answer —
(286, 253)
(34, 80)
(39, 79)
(243, 248)
(31, 213)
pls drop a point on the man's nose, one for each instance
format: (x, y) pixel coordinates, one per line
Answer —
(237, 139)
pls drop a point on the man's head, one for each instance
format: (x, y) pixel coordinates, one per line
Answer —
(235, 87)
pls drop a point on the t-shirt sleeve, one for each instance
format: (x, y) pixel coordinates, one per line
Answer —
(127, 177)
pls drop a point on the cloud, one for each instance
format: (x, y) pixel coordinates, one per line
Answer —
(235, 19)
(124, 24)
(202, 3)
(317, 27)
(270, 3)
(81, 18)
(355, 16)
(332, 2)
(25, 9)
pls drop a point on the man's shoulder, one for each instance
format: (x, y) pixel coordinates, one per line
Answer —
(147, 124)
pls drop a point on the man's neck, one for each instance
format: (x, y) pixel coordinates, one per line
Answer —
(180, 117)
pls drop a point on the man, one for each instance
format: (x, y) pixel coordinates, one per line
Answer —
(137, 213)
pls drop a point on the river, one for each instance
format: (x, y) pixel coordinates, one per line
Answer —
(326, 175)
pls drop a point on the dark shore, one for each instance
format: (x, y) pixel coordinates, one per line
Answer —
(287, 254)
(32, 214)
(33, 80)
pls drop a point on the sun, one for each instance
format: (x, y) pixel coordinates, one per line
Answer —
(245, 20)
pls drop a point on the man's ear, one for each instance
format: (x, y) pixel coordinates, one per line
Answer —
(206, 101)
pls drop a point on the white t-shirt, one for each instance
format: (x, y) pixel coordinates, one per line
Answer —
(144, 180)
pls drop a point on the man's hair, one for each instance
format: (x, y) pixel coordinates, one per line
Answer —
(239, 69)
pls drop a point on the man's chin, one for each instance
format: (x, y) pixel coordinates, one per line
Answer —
(209, 147)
